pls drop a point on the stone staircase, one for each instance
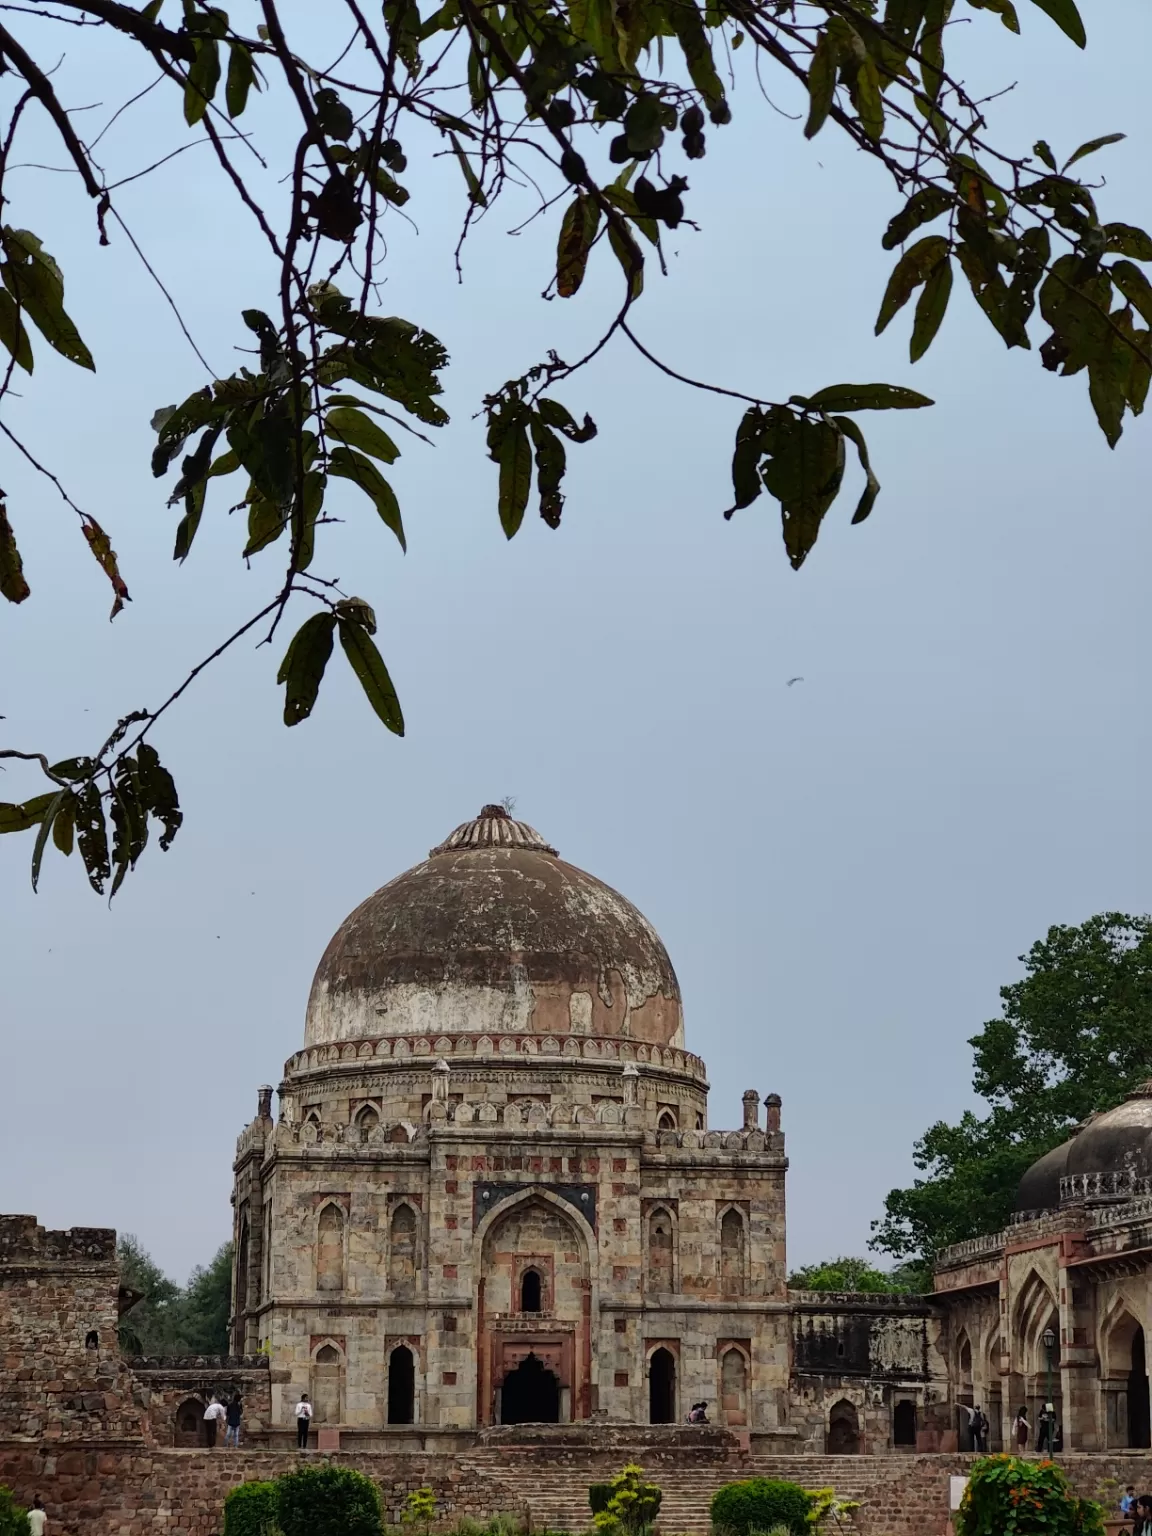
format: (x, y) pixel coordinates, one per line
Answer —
(555, 1495)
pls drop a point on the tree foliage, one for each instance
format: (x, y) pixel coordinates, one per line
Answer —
(602, 108)
(849, 1274)
(1074, 1036)
(170, 1319)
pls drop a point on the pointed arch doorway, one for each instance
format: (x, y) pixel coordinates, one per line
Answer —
(530, 1393)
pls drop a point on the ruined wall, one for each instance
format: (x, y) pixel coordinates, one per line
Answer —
(62, 1375)
(176, 1390)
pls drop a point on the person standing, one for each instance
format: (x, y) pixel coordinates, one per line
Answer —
(1128, 1502)
(1046, 1426)
(37, 1519)
(1022, 1429)
(233, 1414)
(303, 1421)
(984, 1428)
(213, 1414)
(976, 1425)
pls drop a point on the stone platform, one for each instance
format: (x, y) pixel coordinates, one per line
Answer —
(110, 1488)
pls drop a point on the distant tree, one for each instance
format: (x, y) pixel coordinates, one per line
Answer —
(1075, 1036)
(206, 1304)
(599, 109)
(170, 1319)
(850, 1274)
(150, 1326)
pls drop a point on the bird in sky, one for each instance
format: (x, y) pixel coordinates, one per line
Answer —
(792, 680)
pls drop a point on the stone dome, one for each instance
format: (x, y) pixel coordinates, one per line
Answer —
(493, 934)
(1116, 1143)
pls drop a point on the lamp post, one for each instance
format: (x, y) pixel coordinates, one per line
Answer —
(1048, 1339)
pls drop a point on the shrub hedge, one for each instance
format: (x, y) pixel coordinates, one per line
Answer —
(328, 1501)
(1009, 1496)
(759, 1504)
(13, 1516)
(251, 1510)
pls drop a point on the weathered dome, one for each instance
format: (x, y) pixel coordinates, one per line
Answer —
(1116, 1143)
(495, 933)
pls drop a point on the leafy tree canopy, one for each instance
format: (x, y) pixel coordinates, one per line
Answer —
(1075, 1036)
(602, 109)
(170, 1319)
(849, 1274)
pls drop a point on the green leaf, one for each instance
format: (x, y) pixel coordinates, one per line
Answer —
(804, 475)
(64, 825)
(750, 435)
(241, 79)
(302, 669)
(930, 308)
(991, 293)
(358, 611)
(690, 31)
(42, 836)
(868, 99)
(355, 429)
(867, 397)
(1041, 149)
(12, 333)
(921, 208)
(266, 522)
(203, 78)
(559, 416)
(1108, 387)
(629, 255)
(577, 232)
(334, 117)
(1093, 145)
(92, 837)
(475, 190)
(158, 792)
(21, 818)
(821, 83)
(13, 585)
(851, 429)
(1129, 241)
(368, 665)
(353, 466)
(910, 271)
(515, 460)
(1135, 287)
(1066, 17)
(551, 462)
(34, 280)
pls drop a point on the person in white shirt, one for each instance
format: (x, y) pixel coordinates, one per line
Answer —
(303, 1420)
(37, 1519)
(214, 1414)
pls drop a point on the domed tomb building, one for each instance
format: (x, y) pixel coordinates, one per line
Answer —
(492, 1194)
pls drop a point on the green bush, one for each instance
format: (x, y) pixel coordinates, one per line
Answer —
(760, 1503)
(1008, 1496)
(13, 1516)
(328, 1501)
(598, 1496)
(250, 1510)
(632, 1506)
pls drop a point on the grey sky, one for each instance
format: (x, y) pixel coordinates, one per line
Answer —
(844, 872)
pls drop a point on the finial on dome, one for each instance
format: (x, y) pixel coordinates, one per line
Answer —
(494, 828)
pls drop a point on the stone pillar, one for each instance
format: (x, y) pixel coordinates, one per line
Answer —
(631, 1081)
(440, 1082)
(264, 1102)
(772, 1105)
(751, 1109)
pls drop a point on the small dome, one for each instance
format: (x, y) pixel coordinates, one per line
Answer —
(1116, 1141)
(495, 933)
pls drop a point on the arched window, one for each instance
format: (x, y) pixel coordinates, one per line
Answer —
(667, 1121)
(734, 1387)
(531, 1291)
(330, 1249)
(366, 1122)
(904, 1423)
(401, 1386)
(402, 1249)
(732, 1253)
(327, 1371)
(660, 1252)
(662, 1387)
